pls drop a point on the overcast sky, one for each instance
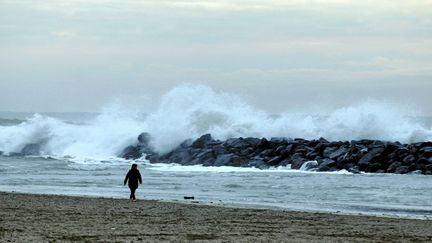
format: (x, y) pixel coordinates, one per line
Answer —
(58, 55)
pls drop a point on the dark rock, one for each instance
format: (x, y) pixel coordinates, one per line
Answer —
(280, 149)
(365, 141)
(374, 167)
(424, 144)
(391, 147)
(181, 156)
(152, 157)
(392, 168)
(402, 170)
(416, 172)
(297, 161)
(366, 155)
(253, 142)
(131, 152)
(205, 158)
(247, 151)
(424, 161)
(279, 140)
(341, 151)
(229, 160)
(319, 147)
(264, 143)
(369, 157)
(309, 165)
(353, 170)
(30, 149)
(329, 150)
(303, 149)
(275, 161)
(289, 148)
(260, 164)
(276, 142)
(284, 153)
(238, 143)
(409, 159)
(313, 143)
(267, 152)
(186, 144)
(393, 156)
(285, 162)
(312, 155)
(377, 144)
(142, 148)
(219, 149)
(202, 141)
(323, 140)
(326, 164)
(426, 151)
(412, 167)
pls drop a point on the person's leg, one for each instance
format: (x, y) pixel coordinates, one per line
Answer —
(133, 189)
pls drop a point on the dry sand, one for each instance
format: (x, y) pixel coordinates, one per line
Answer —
(43, 218)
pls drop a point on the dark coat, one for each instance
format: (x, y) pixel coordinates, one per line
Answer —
(133, 176)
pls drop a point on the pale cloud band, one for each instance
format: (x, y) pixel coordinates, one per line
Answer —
(133, 47)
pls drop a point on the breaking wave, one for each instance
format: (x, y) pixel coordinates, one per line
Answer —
(189, 111)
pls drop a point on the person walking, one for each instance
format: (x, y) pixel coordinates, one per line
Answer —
(133, 177)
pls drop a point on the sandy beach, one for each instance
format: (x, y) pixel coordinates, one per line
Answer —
(46, 218)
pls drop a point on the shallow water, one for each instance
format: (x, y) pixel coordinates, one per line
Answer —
(375, 194)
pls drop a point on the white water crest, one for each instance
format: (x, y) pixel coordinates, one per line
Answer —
(101, 138)
(189, 111)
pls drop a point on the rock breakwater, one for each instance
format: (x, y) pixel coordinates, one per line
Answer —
(356, 156)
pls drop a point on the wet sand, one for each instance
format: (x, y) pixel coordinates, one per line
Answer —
(45, 218)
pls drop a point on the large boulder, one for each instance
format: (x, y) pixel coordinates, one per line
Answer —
(392, 168)
(402, 170)
(328, 151)
(141, 149)
(237, 143)
(257, 163)
(309, 165)
(297, 161)
(326, 164)
(202, 141)
(253, 142)
(426, 151)
(338, 153)
(229, 160)
(130, 152)
(179, 156)
(205, 157)
(275, 161)
(370, 157)
(409, 159)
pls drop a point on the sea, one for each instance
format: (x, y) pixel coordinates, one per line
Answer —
(79, 155)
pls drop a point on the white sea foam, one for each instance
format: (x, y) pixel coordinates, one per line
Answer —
(229, 169)
(189, 111)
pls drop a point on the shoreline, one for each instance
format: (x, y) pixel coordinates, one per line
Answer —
(41, 217)
(239, 205)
